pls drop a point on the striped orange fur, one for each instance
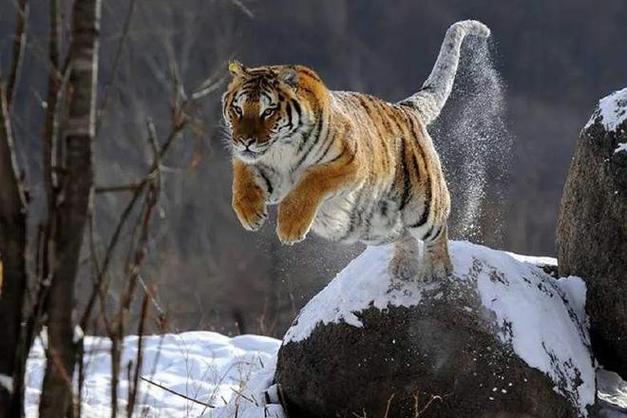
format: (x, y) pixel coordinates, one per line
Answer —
(347, 166)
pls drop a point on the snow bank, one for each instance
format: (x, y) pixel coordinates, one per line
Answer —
(611, 111)
(226, 373)
(548, 335)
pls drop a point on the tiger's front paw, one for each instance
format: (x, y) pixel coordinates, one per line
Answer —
(293, 221)
(251, 214)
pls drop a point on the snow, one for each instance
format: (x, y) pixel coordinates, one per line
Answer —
(6, 382)
(613, 390)
(549, 336)
(611, 111)
(621, 147)
(78, 334)
(535, 260)
(574, 289)
(228, 373)
(355, 288)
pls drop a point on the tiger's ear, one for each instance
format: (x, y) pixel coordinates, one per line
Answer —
(237, 69)
(289, 76)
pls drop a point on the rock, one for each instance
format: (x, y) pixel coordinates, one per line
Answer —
(611, 394)
(499, 338)
(592, 227)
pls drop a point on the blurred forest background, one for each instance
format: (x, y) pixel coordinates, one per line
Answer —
(556, 57)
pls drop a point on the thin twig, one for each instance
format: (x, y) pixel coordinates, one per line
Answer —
(139, 359)
(418, 413)
(173, 392)
(243, 8)
(54, 85)
(130, 187)
(240, 394)
(139, 257)
(80, 356)
(389, 404)
(208, 86)
(116, 62)
(98, 285)
(19, 45)
(155, 361)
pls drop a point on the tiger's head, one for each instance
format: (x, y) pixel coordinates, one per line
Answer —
(266, 105)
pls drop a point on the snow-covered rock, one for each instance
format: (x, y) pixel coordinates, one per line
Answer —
(611, 111)
(498, 336)
(592, 228)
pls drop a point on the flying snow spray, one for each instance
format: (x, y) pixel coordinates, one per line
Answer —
(474, 144)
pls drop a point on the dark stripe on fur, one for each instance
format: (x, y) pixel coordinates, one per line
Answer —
(406, 180)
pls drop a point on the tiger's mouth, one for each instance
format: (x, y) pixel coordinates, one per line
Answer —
(252, 152)
(248, 155)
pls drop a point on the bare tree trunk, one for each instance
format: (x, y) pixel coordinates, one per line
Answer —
(13, 259)
(13, 239)
(71, 215)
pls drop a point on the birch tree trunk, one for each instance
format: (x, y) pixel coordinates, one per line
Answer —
(74, 204)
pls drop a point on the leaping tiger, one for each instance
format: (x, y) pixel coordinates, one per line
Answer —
(347, 166)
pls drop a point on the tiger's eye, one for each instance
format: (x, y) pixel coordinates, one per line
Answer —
(268, 112)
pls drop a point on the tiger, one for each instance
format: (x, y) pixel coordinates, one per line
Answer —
(346, 165)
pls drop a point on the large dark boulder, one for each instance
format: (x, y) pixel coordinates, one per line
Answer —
(592, 229)
(499, 338)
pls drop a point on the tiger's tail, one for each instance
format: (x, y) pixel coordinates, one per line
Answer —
(430, 99)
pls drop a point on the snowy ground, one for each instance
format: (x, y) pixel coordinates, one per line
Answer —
(207, 367)
(206, 374)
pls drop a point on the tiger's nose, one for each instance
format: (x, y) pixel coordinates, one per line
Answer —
(246, 142)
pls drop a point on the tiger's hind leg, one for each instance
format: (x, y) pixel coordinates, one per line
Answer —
(437, 261)
(405, 263)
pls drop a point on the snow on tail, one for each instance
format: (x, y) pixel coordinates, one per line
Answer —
(430, 99)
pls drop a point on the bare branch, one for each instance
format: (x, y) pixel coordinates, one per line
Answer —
(173, 392)
(130, 187)
(208, 86)
(54, 89)
(102, 271)
(243, 8)
(133, 388)
(116, 62)
(387, 407)
(19, 45)
(129, 292)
